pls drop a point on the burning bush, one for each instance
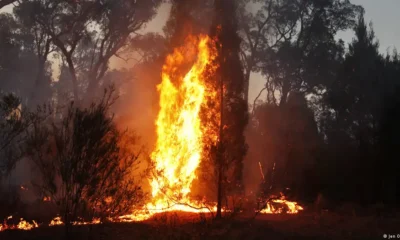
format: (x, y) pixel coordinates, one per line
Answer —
(86, 162)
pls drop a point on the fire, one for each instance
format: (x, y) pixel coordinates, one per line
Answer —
(181, 134)
(281, 206)
(180, 143)
(22, 225)
(46, 199)
(180, 130)
(56, 221)
(182, 137)
(93, 222)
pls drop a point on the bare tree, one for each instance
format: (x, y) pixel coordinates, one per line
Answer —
(103, 28)
(4, 3)
(262, 31)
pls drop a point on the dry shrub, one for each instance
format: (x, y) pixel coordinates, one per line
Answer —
(86, 163)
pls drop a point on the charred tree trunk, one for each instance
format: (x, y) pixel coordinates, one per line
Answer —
(40, 75)
(220, 154)
(233, 108)
(247, 84)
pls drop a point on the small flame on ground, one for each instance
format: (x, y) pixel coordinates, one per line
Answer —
(22, 225)
(46, 199)
(93, 222)
(281, 206)
(56, 221)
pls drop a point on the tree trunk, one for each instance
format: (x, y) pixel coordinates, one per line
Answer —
(4, 3)
(74, 79)
(38, 82)
(92, 89)
(284, 93)
(220, 155)
(219, 194)
(246, 85)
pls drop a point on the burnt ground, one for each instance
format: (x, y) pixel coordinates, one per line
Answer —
(325, 225)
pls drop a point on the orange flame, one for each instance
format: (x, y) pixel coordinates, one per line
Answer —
(281, 206)
(180, 143)
(180, 130)
(46, 199)
(56, 221)
(22, 225)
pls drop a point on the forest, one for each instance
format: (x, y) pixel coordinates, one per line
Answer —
(110, 126)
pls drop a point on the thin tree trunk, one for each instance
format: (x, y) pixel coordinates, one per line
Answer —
(220, 150)
(246, 85)
(38, 82)
(4, 3)
(73, 78)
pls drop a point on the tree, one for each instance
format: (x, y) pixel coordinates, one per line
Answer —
(11, 132)
(188, 17)
(4, 3)
(16, 53)
(85, 163)
(352, 117)
(388, 142)
(290, 41)
(262, 32)
(233, 108)
(287, 141)
(42, 47)
(89, 33)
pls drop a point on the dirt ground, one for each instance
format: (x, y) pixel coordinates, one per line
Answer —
(324, 225)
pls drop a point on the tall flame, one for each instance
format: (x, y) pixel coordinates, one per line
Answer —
(180, 144)
(181, 133)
